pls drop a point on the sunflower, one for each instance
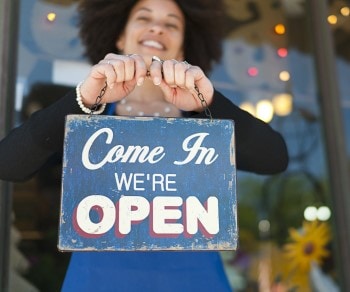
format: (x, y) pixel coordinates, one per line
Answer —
(307, 246)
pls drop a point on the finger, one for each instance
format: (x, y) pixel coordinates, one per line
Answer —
(129, 68)
(194, 75)
(169, 72)
(156, 71)
(180, 74)
(118, 66)
(140, 68)
(124, 66)
(111, 67)
(105, 71)
(189, 82)
(200, 83)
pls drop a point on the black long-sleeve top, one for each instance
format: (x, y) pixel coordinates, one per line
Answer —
(27, 148)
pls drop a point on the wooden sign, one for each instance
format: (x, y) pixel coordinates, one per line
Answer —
(148, 184)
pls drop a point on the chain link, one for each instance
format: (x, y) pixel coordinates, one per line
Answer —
(98, 100)
(204, 103)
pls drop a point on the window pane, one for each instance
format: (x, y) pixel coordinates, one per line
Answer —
(285, 220)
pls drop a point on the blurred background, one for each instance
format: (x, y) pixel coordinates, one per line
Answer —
(285, 61)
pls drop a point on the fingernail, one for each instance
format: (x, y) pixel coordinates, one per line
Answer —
(140, 81)
(156, 81)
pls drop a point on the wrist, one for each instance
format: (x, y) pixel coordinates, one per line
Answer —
(88, 108)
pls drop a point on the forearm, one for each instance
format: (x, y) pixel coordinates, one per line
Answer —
(27, 148)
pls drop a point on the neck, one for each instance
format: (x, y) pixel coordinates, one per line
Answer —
(147, 93)
(147, 100)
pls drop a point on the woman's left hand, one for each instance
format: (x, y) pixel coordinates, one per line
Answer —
(178, 80)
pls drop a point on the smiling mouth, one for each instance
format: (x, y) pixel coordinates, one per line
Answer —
(153, 44)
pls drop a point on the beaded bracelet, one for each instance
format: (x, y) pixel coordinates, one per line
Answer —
(83, 107)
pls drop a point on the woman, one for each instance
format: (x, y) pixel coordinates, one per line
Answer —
(121, 38)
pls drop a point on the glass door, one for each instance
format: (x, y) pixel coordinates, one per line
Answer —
(289, 230)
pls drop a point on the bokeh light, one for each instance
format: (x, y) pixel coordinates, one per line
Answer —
(332, 19)
(51, 16)
(280, 29)
(264, 110)
(282, 52)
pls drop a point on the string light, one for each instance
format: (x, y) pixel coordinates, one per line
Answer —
(332, 19)
(264, 110)
(345, 11)
(282, 104)
(282, 52)
(253, 71)
(323, 213)
(264, 226)
(280, 29)
(51, 16)
(248, 106)
(310, 213)
(284, 75)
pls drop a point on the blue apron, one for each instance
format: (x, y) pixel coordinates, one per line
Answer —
(146, 271)
(168, 271)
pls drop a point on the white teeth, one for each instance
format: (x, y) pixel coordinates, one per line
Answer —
(154, 44)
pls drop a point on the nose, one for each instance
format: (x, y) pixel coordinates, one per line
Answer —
(156, 28)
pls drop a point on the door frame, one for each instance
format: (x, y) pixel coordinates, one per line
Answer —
(9, 10)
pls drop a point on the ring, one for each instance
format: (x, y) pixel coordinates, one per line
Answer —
(155, 58)
(109, 62)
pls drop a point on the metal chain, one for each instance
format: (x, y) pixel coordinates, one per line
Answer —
(98, 100)
(204, 103)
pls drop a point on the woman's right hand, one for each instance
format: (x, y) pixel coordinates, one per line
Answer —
(121, 72)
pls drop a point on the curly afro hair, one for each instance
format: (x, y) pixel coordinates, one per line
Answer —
(103, 21)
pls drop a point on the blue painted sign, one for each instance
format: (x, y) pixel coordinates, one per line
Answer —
(148, 184)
